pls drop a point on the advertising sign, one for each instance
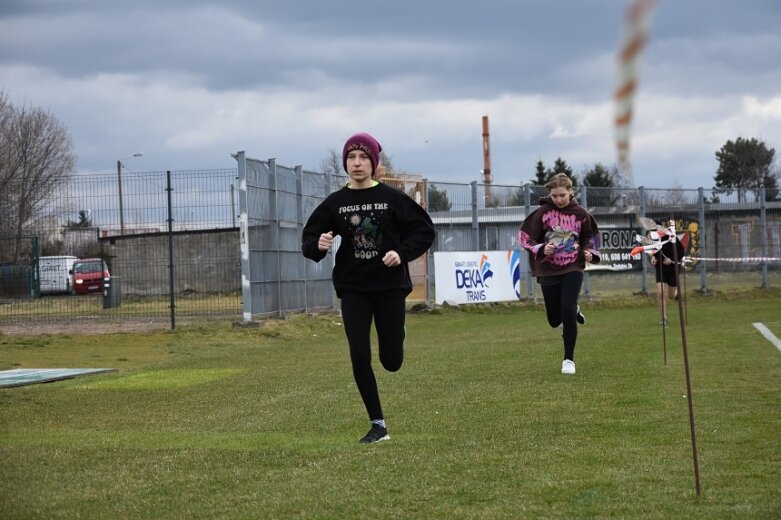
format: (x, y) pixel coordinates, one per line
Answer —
(497, 276)
(478, 276)
(614, 248)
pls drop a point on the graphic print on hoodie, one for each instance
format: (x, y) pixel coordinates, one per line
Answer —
(564, 233)
(571, 230)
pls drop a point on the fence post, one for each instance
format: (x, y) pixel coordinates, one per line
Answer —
(644, 282)
(527, 207)
(171, 285)
(763, 235)
(586, 278)
(475, 224)
(35, 289)
(300, 225)
(233, 205)
(703, 241)
(274, 185)
(429, 254)
(246, 290)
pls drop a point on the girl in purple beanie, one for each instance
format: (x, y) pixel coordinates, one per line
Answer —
(381, 230)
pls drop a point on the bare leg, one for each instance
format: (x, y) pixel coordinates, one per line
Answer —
(660, 300)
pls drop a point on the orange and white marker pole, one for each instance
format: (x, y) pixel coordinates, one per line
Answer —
(638, 21)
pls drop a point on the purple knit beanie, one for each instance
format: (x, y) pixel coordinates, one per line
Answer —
(365, 143)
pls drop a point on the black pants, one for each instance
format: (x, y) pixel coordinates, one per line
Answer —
(561, 304)
(388, 312)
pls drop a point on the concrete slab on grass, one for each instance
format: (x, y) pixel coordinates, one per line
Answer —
(29, 376)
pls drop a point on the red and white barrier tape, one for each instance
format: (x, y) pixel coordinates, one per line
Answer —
(690, 259)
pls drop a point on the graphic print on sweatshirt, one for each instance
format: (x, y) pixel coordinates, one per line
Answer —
(563, 231)
(364, 228)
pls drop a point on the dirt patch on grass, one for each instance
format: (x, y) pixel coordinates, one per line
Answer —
(84, 325)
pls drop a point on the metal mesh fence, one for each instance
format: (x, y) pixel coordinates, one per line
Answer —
(271, 208)
(135, 233)
(188, 253)
(733, 239)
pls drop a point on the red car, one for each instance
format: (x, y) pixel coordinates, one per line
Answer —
(90, 275)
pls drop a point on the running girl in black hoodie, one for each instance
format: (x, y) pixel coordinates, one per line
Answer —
(381, 230)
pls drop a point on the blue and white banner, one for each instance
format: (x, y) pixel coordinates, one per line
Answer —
(478, 276)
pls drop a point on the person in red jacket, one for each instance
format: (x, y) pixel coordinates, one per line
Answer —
(561, 236)
(381, 230)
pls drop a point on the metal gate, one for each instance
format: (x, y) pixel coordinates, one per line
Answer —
(274, 202)
(19, 268)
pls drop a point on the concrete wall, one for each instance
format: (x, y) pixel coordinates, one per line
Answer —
(204, 261)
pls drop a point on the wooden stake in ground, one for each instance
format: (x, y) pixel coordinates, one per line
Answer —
(664, 320)
(689, 398)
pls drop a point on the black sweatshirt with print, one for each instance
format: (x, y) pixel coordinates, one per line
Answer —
(370, 222)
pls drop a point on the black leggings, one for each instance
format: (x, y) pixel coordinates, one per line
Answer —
(388, 312)
(561, 304)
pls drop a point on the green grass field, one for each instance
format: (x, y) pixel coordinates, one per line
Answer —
(214, 421)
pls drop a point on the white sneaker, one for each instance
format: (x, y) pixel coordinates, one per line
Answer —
(568, 367)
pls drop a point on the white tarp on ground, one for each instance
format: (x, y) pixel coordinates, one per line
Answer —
(29, 376)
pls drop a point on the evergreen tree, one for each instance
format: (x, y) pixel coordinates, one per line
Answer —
(540, 174)
(599, 176)
(561, 166)
(437, 199)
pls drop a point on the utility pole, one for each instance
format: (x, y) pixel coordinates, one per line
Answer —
(119, 189)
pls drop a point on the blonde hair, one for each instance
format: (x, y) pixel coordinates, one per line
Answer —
(560, 180)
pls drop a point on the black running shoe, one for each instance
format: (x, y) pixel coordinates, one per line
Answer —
(376, 434)
(579, 316)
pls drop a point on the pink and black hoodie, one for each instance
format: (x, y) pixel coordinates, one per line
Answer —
(571, 229)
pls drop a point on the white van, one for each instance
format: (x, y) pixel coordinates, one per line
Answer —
(55, 274)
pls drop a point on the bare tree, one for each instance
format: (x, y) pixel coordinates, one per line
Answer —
(36, 158)
(333, 163)
(675, 195)
(5, 159)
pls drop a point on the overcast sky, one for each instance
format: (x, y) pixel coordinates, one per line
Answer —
(189, 82)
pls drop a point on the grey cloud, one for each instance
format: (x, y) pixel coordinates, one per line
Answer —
(467, 47)
(320, 54)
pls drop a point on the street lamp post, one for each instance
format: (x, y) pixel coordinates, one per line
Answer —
(119, 189)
